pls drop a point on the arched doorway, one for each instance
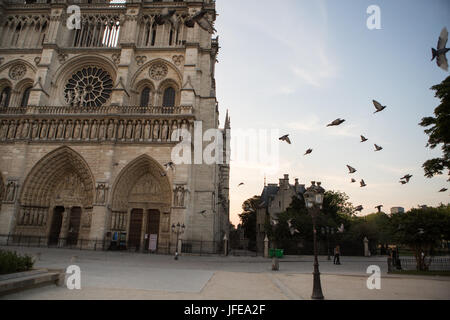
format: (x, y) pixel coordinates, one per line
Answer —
(141, 203)
(57, 198)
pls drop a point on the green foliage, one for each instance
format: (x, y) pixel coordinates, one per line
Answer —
(248, 219)
(422, 230)
(11, 262)
(439, 131)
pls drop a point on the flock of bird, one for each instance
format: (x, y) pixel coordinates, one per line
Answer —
(440, 55)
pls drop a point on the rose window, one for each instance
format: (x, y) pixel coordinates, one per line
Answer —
(88, 87)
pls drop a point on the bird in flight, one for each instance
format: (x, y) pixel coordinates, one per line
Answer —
(353, 180)
(240, 184)
(403, 182)
(203, 213)
(163, 174)
(351, 169)
(443, 190)
(441, 50)
(292, 230)
(379, 207)
(363, 139)
(406, 177)
(309, 151)
(359, 208)
(378, 148)
(341, 228)
(336, 122)
(167, 16)
(202, 20)
(169, 165)
(362, 183)
(285, 138)
(378, 106)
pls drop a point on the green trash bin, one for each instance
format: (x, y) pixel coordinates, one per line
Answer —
(271, 253)
(279, 253)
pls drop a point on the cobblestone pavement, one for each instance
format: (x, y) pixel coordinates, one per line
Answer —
(122, 275)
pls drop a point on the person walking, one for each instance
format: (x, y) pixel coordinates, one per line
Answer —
(337, 253)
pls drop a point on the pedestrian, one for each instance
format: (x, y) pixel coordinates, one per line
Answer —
(337, 253)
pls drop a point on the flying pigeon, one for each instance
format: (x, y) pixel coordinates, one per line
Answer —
(167, 16)
(443, 190)
(169, 165)
(379, 207)
(240, 184)
(403, 182)
(341, 229)
(420, 231)
(201, 20)
(163, 174)
(362, 183)
(441, 50)
(309, 151)
(407, 177)
(363, 139)
(203, 213)
(273, 222)
(351, 169)
(359, 208)
(378, 106)
(335, 122)
(353, 180)
(291, 228)
(378, 148)
(285, 138)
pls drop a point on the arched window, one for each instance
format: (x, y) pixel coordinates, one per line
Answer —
(25, 97)
(169, 97)
(4, 97)
(145, 97)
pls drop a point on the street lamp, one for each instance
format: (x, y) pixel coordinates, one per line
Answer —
(178, 229)
(314, 199)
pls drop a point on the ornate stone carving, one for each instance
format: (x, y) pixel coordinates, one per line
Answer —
(179, 196)
(17, 71)
(178, 60)
(140, 60)
(11, 189)
(116, 58)
(62, 57)
(101, 193)
(89, 87)
(37, 60)
(158, 71)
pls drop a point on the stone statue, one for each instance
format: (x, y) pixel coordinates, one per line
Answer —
(101, 196)
(156, 130)
(111, 130)
(101, 130)
(129, 132)
(179, 196)
(3, 101)
(76, 130)
(10, 191)
(12, 129)
(174, 132)
(164, 131)
(120, 130)
(25, 130)
(4, 130)
(69, 129)
(60, 133)
(85, 132)
(44, 130)
(76, 97)
(19, 130)
(138, 130)
(52, 129)
(94, 130)
(147, 130)
(34, 130)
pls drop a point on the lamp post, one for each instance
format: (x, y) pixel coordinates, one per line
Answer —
(314, 199)
(178, 229)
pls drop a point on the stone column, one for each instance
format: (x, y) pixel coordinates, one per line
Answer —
(266, 247)
(143, 229)
(64, 227)
(225, 245)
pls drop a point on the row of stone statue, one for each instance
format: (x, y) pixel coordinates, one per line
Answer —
(119, 220)
(137, 130)
(36, 217)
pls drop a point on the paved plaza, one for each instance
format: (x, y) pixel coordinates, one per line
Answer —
(123, 275)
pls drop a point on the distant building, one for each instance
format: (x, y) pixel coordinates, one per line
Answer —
(397, 210)
(275, 198)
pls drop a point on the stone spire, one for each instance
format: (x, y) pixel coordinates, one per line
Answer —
(227, 121)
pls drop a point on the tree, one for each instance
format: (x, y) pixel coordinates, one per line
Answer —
(422, 230)
(439, 131)
(248, 219)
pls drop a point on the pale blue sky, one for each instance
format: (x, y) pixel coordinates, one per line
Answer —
(297, 65)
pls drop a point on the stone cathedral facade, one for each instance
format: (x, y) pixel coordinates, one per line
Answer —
(87, 122)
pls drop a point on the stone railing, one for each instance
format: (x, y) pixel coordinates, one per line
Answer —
(112, 110)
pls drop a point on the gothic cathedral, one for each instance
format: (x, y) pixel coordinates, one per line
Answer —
(89, 116)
